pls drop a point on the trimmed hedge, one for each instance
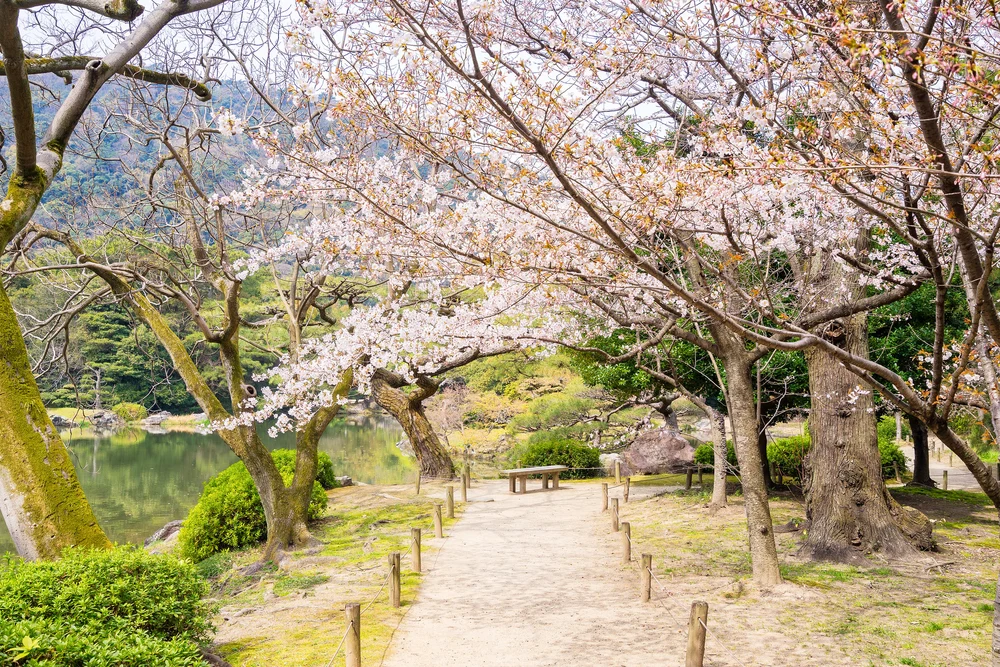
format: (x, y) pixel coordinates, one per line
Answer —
(557, 451)
(229, 514)
(123, 607)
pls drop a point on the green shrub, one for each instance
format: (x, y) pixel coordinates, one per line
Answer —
(552, 411)
(130, 412)
(123, 607)
(891, 454)
(705, 455)
(887, 428)
(787, 454)
(229, 514)
(547, 450)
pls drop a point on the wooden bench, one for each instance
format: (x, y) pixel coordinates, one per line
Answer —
(547, 473)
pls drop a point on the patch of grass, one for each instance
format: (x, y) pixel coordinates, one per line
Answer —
(286, 583)
(967, 497)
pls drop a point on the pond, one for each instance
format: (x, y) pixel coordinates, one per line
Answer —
(137, 481)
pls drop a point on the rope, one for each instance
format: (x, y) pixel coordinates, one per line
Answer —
(668, 594)
(342, 640)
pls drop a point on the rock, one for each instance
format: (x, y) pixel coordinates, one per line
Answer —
(155, 419)
(61, 422)
(657, 450)
(345, 481)
(105, 420)
(163, 533)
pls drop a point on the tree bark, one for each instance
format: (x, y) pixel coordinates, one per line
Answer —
(408, 410)
(40, 496)
(848, 506)
(719, 457)
(921, 454)
(763, 552)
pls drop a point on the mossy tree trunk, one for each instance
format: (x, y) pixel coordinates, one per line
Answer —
(41, 499)
(848, 507)
(408, 410)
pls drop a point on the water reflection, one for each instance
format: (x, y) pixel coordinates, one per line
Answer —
(137, 481)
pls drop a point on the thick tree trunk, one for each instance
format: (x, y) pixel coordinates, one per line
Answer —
(719, 458)
(763, 553)
(432, 457)
(921, 454)
(40, 497)
(848, 506)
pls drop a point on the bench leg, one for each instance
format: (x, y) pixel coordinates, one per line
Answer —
(513, 482)
(555, 481)
(524, 483)
(545, 481)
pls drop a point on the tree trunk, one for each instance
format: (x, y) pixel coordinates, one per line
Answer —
(848, 506)
(763, 553)
(762, 448)
(432, 457)
(40, 497)
(921, 454)
(720, 458)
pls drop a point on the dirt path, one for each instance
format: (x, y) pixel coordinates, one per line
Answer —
(533, 580)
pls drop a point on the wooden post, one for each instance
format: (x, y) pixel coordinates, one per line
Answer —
(415, 549)
(628, 484)
(944, 480)
(939, 455)
(449, 499)
(697, 628)
(626, 542)
(614, 514)
(951, 459)
(394, 586)
(646, 579)
(438, 524)
(604, 496)
(687, 480)
(352, 645)
(418, 483)
(465, 488)
(895, 467)
(701, 480)
(618, 472)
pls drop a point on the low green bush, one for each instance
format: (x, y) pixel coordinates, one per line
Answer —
(560, 451)
(124, 608)
(704, 455)
(229, 514)
(130, 412)
(787, 454)
(891, 456)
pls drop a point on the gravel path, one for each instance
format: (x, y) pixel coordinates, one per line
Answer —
(533, 580)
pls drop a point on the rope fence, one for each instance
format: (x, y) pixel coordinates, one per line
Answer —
(697, 627)
(353, 611)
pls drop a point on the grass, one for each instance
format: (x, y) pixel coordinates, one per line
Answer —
(875, 614)
(348, 565)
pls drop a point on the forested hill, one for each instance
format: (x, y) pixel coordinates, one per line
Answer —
(92, 161)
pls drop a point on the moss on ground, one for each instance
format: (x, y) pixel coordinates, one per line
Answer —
(294, 615)
(912, 613)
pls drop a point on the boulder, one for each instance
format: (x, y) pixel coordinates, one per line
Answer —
(345, 481)
(657, 450)
(61, 422)
(105, 420)
(163, 533)
(155, 419)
